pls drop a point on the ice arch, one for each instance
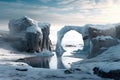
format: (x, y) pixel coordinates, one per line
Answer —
(82, 30)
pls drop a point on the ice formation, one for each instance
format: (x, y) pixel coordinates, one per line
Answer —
(33, 35)
(95, 37)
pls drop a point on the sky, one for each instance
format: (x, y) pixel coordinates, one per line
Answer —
(61, 12)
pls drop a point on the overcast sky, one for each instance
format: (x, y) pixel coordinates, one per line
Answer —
(61, 12)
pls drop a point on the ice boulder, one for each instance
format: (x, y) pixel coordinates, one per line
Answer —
(29, 35)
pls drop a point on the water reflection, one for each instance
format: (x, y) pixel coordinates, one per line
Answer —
(68, 59)
(63, 62)
(37, 61)
(52, 62)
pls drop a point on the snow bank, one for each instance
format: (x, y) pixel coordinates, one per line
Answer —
(108, 60)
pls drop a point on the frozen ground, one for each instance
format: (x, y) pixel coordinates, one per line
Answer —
(10, 70)
(108, 60)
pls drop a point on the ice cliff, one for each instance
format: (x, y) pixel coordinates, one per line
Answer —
(29, 35)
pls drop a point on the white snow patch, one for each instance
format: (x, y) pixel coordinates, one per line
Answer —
(103, 37)
(34, 29)
(103, 27)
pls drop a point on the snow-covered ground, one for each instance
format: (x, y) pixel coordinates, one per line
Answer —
(81, 70)
(108, 60)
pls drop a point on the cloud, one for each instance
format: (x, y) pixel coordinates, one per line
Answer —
(65, 2)
(65, 12)
(98, 11)
(44, 1)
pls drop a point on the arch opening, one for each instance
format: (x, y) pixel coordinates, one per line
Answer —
(72, 41)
